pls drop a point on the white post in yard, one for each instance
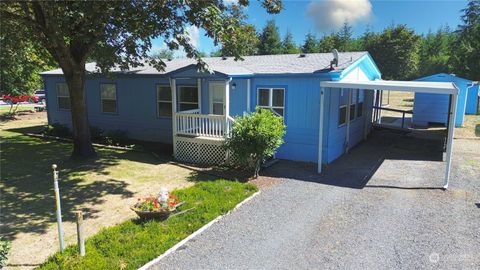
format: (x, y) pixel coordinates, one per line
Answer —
(349, 103)
(58, 206)
(248, 94)
(226, 106)
(320, 130)
(199, 88)
(451, 130)
(173, 86)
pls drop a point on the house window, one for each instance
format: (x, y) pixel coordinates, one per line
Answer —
(360, 109)
(273, 99)
(342, 115)
(63, 96)
(164, 101)
(188, 98)
(108, 96)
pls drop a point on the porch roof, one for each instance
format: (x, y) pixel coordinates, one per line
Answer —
(256, 64)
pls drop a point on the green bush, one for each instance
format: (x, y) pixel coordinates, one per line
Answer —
(117, 138)
(96, 133)
(58, 130)
(255, 137)
(4, 249)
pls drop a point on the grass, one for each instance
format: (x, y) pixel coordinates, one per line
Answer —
(398, 100)
(102, 188)
(470, 128)
(21, 108)
(132, 244)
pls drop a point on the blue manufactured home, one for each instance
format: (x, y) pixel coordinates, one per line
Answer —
(194, 110)
(433, 108)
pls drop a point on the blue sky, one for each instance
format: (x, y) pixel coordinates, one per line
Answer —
(319, 17)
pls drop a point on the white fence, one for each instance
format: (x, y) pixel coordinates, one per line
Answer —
(205, 125)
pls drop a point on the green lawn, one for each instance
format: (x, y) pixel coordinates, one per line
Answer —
(103, 189)
(132, 244)
(21, 108)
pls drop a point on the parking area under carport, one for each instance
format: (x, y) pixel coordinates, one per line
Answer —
(406, 86)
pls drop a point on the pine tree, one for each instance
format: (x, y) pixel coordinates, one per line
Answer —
(270, 40)
(345, 38)
(310, 45)
(288, 45)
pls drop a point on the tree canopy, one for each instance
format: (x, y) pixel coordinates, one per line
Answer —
(118, 33)
(288, 44)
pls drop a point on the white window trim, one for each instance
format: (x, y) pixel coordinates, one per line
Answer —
(163, 101)
(270, 100)
(187, 102)
(210, 97)
(58, 96)
(102, 99)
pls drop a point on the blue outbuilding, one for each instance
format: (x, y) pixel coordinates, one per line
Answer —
(431, 108)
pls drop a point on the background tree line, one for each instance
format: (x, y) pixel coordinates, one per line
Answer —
(400, 53)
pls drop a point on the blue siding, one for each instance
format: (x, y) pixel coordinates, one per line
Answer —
(433, 108)
(472, 100)
(136, 107)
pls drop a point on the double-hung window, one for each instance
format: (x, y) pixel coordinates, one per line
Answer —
(164, 101)
(188, 98)
(273, 99)
(108, 96)
(63, 96)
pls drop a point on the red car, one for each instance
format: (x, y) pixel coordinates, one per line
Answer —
(16, 99)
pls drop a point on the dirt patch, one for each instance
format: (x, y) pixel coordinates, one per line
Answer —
(23, 115)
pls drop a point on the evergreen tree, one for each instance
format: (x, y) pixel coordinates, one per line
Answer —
(344, 37)
(465, 50)
(310, 45)
(395, 51)
(288, 45)
(434, 53)
(330, 42)
(270, 40)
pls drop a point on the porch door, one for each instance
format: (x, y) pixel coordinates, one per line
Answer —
(217, 97)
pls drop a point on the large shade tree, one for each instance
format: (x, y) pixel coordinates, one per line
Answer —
(117, 34)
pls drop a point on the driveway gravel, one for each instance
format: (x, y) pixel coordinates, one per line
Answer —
(376, 208)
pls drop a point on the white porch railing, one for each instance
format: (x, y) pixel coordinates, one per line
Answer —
(205, 125)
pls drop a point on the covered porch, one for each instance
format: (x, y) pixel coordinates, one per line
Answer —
(201, 118)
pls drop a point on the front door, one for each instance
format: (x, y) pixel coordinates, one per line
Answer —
(216, 93)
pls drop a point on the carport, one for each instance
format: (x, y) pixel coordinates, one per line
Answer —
(407, 86)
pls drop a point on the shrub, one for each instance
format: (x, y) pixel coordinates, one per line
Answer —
(255, 137)
(96, 133)
(4, 249)
(116, 137)
(58, 130)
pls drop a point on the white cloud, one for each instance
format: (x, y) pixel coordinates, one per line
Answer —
(330, 15)
(193, 34)
(230, 2)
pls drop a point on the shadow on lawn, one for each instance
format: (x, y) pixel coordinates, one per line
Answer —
(27, 200)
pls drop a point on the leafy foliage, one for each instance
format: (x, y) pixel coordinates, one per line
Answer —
(254, 137)
(270, 42)
(163, 54)
(21, 61)
(4, 250)
(131, 244)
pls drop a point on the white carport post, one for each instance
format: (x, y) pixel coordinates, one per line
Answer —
(451, 130)
(349, 103)
(320, 130)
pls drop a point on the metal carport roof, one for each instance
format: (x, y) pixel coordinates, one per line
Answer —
(406, 86)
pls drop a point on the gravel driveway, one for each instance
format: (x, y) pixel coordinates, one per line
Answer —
(375, 208)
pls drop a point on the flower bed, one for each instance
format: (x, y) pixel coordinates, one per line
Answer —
(131, 244)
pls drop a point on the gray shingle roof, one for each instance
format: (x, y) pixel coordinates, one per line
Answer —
(257, 64)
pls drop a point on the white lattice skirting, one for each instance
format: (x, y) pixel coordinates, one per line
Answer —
(200, 150)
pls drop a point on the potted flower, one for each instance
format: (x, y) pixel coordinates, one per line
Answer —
(158, 207)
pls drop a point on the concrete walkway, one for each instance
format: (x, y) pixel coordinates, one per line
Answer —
(375, 208)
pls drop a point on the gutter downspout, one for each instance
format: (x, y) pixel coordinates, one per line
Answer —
(320, 129)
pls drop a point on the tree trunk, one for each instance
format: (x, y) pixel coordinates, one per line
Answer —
(82, 143)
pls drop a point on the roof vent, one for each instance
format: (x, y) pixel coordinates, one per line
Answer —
(224, 58)
(335, 59)
(302, 55)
